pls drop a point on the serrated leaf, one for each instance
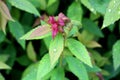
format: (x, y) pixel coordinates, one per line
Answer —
(31, 72)
(77, 68)
(99, 5)
(88, 5)
(17, 31)
(56, 48)
(79, 50)
(112, 13)
(116, 54)
(31, 52)
(24, 5)
(44, 67)
(1, 77)
(4, 66)
(91, 27)
(37, 33)
(75, 12)
(58, 74)
(5, 11)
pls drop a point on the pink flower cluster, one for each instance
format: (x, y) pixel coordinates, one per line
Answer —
(57, 25)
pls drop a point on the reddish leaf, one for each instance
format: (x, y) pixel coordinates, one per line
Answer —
(5, 11)
(37, 33)
(40, 31)
(3, 22)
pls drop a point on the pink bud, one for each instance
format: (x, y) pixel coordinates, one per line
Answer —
(51, 20)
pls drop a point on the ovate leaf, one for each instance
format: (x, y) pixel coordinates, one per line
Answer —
(56, 48)
(3, 22)
(43, 67)
(112, 13)
(1, 77)
(79, 50)
(52, 6)
(93, 44)
(4, 66)
(31, 72)
(31, 52)
(24, 60)
(88, 5)
(91, 27)
(37, 33)
(24, 5)
(4, 57)
(116, 54)
(5, 11)
(99, 5)
(93, 69)
(58, 74)
(2, 36)
(43, 4)
(75, 11)
(12, 55)
(17, 31)
(77, 68)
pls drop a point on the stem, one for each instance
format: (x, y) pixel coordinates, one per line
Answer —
(100, 76)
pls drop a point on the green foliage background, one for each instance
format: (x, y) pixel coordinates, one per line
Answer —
(90, 52)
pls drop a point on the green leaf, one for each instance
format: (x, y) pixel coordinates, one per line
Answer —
(17, 31)
(116, 54)
(24, 5)
(75, 11)
(4, 66)
(12, 55)
(42, 4)
(99, 5)
(31, 72)
(24, 60)
(2, 36)
(47, 41)
(88, 5)
(112, 13)
(52, 6)
(91, 27)
(5, 11)
(1, 77)
(58, 74)
(44, 67)
(4, 57)
(77, 68)
(3, 22)
(31, 52)
(56, 48)
(92, 69)
(37, 33)
(79, 50)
